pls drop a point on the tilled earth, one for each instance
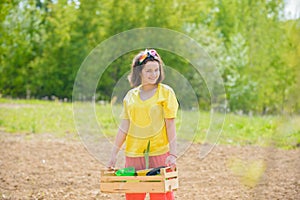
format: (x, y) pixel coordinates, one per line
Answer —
(44, 167)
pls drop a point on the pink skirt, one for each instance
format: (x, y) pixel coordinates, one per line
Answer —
(139, 162)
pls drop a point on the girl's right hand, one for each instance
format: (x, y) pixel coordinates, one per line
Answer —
(112, 162)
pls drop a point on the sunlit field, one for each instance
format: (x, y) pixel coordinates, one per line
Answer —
(56, 118)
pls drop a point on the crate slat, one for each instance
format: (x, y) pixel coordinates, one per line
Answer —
(171, 184)
(134, 178)
(128, 187)
(166, 174)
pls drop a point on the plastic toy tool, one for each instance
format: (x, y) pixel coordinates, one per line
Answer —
(154, 171)
(128, 171)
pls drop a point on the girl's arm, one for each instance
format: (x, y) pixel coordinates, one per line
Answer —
(120, 138)
(171, 132)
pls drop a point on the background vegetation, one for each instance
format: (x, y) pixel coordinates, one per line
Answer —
(44, 42)
(32, 117)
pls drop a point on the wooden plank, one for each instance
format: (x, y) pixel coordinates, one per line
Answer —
(128, 187)
(171, 184)
(170, 174)
(137, 178)
(107, 172)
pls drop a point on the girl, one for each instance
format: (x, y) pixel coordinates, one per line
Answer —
(149, 111)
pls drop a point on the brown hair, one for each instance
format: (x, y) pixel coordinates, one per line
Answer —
(136, 69)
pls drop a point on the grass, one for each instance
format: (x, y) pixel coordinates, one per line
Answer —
(36, 117)
(23, 116)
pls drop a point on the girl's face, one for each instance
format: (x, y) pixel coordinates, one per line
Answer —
(150, 73)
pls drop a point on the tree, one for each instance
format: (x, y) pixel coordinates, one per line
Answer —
(21, 43)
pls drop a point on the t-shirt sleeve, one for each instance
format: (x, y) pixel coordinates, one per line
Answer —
(170, 105)
(124, 113)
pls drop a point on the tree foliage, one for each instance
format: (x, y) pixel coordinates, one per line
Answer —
(43, 44)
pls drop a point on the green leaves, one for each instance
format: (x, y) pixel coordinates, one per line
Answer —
(146, 155)
(43, 44)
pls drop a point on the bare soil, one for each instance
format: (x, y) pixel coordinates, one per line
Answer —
(44, 167)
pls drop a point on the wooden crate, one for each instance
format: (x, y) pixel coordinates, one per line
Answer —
(166, 181)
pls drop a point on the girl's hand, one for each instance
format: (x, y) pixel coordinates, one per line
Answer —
(111, 164)
(171, 161)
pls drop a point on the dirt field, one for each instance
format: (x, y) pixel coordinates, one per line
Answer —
(44, 167)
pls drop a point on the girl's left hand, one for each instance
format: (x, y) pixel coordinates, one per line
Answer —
(171, 161)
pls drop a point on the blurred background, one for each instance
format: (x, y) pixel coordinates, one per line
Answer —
(255, 45)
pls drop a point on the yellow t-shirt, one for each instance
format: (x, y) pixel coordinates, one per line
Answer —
(147, 120)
